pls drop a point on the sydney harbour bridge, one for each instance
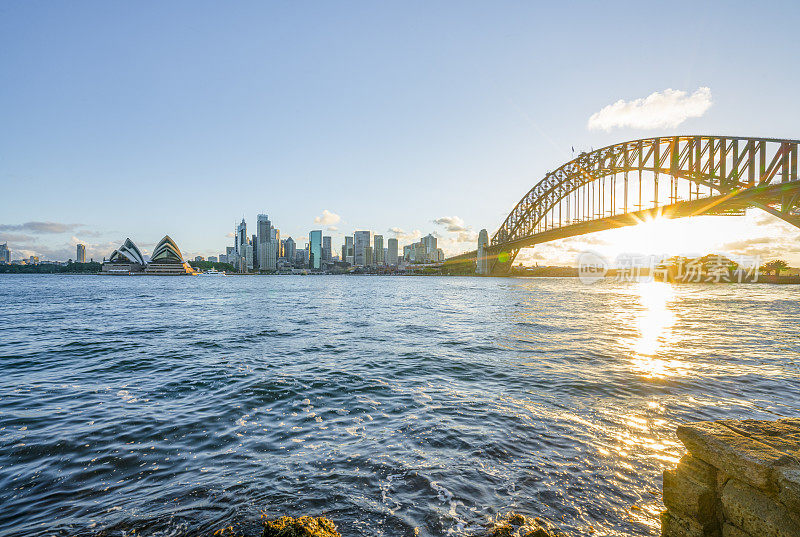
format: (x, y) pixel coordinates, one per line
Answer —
(636, 181)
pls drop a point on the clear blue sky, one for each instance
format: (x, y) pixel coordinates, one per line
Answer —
(139, 119)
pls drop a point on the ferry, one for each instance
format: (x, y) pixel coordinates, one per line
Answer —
(212, 272)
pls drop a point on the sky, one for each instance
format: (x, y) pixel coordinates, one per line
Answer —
(405, 118)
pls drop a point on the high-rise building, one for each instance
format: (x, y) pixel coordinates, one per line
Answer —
(264, 233)
(361, 239)
(254, 243)
(241, 238)
(348, 252)
(430, 243)
(247, 257)
(391, 255)
(269, 257)
(327, 251)
(377, 251)
(315, 249)
(290, 250)
(276, 234)
(5, 253)
(80, 256)
(213, 258)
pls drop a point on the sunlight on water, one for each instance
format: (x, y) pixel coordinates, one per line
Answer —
(654, 321)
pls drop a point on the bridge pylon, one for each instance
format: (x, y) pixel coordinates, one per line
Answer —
(482, 262)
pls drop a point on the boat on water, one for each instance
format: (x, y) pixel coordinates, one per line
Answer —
(212, 272)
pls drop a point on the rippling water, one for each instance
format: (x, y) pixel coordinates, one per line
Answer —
(175, 406)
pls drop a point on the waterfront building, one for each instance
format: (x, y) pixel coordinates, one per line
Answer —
(247, 258)
(80, 254)
(315, 249)
(430, 243)
(198, 259)
(213, 259)
(5, 253)
(348, 250)
(290, 250)
(167, 260)
(262, 251)
(254, 244)
(361, 240)
(377, 251)
(407, 252)
(269, 255)
(368, 257)
(126, 259)
(223, 258)
(33, 260)
(327, 251)
(241, 238)
(391, 252)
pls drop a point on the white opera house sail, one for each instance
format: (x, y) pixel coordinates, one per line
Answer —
(126, 259)
(167, 260)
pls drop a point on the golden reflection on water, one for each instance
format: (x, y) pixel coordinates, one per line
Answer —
(654, 321)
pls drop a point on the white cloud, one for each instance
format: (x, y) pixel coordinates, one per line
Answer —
(402, 235)
(333, 228)
(668, 108)
(451, 223)
(328, 218)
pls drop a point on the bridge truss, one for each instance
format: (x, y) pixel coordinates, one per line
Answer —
(664, 176)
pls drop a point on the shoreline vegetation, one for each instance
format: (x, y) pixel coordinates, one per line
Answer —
(677, 270)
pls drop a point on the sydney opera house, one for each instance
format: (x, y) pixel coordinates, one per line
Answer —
(166, 260)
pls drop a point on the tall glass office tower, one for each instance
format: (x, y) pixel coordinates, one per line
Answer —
(361, 240)
(315, 249)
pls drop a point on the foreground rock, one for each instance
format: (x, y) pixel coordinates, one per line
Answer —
(516, 525)
(739, 479)
(304, 526)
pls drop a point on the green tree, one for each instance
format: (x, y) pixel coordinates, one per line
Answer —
(776, 266)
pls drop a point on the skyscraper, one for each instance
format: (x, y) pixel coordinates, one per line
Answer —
(269, 256)
(430, 243)
(241, 238)
(264, 234)
(361, 239)
(315, 249)
(327, 251)
(368, 261)
(5, 253)
(290, 250)
(254, 243)
(391, 257)
(377, 251)
(348, 250)
(80, 256)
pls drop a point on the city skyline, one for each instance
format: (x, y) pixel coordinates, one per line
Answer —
(396, 126)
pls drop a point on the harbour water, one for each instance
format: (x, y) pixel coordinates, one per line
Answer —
(395, 406)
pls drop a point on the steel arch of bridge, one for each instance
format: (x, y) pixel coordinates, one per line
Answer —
(736, 172)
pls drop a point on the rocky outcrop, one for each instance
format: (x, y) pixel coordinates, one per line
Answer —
(739, 479)
(304, 526)
(517, 525)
